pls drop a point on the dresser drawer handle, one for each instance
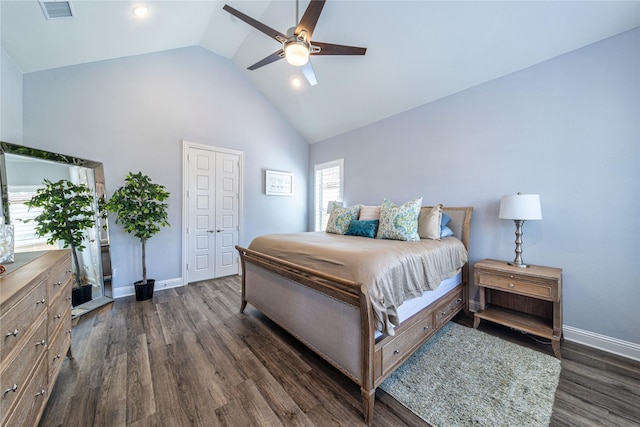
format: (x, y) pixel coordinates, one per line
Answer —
(511, 285)
(459, 300)
(41, 393)
(396, 351)
(444, 313)
(58, 283)
(425, 328)
(13, 389)
(14, 333)
(57, 357)
(58, 316)
(68, 271)
(42, 301)
(42, 342)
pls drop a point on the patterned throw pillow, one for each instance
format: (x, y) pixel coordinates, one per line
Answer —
(399, 222)
(340, 218)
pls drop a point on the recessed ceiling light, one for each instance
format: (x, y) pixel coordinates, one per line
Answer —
(295, 82)
(140, 11)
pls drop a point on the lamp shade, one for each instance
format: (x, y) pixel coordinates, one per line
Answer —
(521, 206)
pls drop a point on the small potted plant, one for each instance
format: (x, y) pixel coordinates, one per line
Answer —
(140, 207)
(67, 211)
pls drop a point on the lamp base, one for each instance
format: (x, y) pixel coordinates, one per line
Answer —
(518, 264)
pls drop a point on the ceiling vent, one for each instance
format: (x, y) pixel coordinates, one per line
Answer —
(56, 9)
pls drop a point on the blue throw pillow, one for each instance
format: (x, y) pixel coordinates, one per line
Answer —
(363, 227)
(445, 231)
(446, 219)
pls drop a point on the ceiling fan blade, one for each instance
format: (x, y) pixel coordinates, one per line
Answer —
(307, 70)
(310, 18)
(274, 34)
(268, 60)
(338, 49)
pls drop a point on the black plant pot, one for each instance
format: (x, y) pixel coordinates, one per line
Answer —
(82, 295)
(144, 292)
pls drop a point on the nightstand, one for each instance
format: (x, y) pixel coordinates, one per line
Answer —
(527, 299)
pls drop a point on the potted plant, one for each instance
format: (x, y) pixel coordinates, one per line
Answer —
(141, 208)
(67, 211)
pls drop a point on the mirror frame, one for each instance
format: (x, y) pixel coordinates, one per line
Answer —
(98, 172)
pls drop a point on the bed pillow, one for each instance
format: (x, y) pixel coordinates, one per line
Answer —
(429, 222)
(446, 219)
(369, 212)
(340, 218)
(446, 232)
(399, 222)
(364, 228)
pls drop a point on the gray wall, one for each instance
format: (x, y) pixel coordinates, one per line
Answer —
(10, 100)
(568, 129)
(132, 114)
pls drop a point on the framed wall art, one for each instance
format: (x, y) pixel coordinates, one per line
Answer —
(278, 183)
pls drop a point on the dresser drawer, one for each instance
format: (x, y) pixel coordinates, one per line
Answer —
(59, 279)
(60, 343)
(20, 318)
(404, 343)
(17, 369)
(541, 289)
(30, 401)
(57, 313)
(445, 311)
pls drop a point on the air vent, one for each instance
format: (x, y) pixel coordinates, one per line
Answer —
(56, 9)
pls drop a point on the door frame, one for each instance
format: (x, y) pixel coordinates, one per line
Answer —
(186, 147)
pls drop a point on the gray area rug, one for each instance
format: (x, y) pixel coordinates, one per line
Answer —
(464, 377)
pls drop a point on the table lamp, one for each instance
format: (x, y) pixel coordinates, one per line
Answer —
(520, 208)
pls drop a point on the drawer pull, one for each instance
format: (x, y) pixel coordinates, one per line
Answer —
(42, 342)
(13, 389)
(425, 328)
(444, 313)
(511, 285)
(396, 351)
(42, 301)
(58, 283)
(14, 333)
(459, 300)
(58, 316)
(68, 271)
(41, 393)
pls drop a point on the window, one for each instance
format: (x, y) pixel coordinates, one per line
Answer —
(328, 188)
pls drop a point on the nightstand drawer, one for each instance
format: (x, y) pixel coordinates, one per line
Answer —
(513, 283)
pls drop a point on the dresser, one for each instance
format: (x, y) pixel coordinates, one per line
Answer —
(527, 299)
(35, 322)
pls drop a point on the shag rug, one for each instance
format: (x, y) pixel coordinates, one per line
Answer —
(464, 377)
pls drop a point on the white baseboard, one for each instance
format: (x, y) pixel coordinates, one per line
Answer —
(125, 291)
(591, 339)
(602, 342)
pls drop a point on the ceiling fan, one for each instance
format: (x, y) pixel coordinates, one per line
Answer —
(296, 44)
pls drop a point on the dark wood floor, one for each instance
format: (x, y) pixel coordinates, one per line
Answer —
(188, 357)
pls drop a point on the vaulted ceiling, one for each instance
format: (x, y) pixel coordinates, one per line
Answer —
(417, 51)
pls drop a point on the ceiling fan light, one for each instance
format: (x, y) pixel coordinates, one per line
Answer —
(296, 53)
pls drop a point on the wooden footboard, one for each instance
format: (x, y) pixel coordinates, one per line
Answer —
(309, 303)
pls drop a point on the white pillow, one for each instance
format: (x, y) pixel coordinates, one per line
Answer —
(369, 212)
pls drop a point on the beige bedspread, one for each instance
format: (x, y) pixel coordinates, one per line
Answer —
(391, 271)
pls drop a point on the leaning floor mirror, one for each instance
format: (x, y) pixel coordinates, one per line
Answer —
(23, 171)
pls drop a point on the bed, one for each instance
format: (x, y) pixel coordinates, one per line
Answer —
(367, 343)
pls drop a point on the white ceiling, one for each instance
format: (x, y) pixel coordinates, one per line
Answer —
(418, 51)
